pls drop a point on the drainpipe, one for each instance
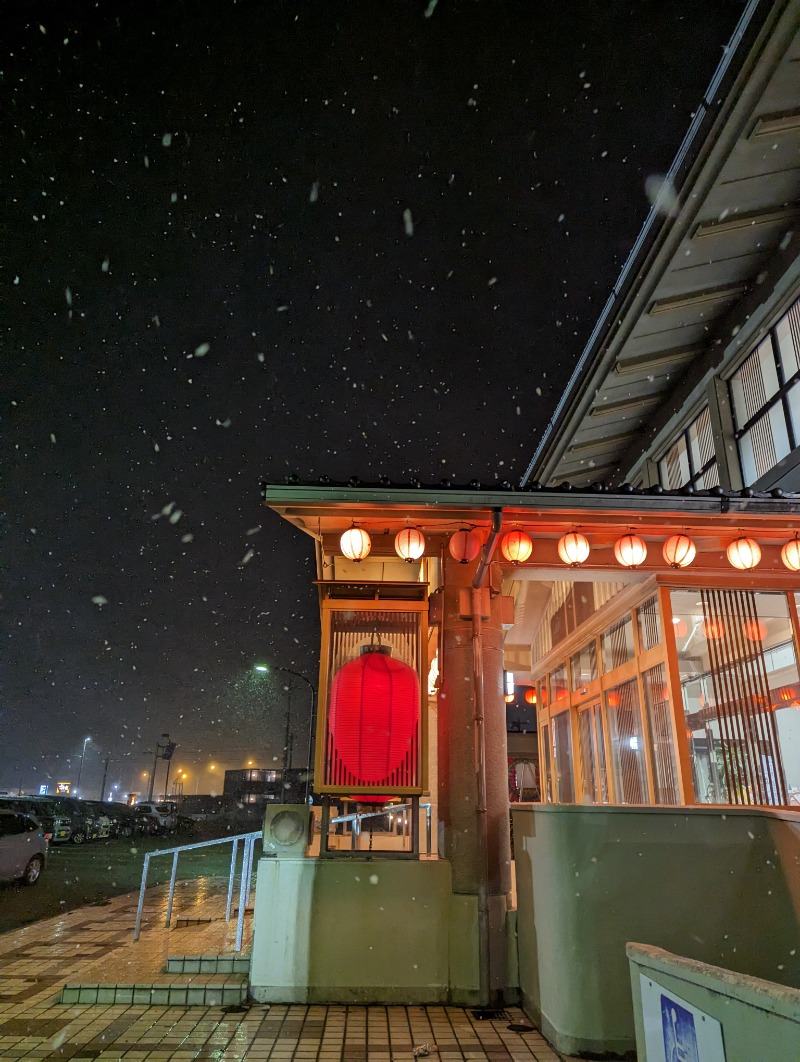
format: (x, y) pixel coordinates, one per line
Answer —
(480, 756)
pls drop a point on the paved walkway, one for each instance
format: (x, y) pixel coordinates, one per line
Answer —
(94, 945)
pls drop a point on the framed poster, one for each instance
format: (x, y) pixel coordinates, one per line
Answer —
(674, 1030)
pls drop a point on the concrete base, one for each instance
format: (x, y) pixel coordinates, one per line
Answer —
(759, 1019)
(715, 884)
(347, 931)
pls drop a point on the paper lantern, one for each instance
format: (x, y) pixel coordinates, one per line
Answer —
(744, 554)
(374, 716)
(355, 544)
(790, 554)
(630, 551)
(755, 630)
(530, 696)
(713, 629)
(573, 548)
(516, 546)
(464, 546)
(679, 551)
(612, 699)
(409, 544)
(510, 698)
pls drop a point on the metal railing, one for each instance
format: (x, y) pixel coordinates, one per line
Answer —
(357, 817)
(246, 873)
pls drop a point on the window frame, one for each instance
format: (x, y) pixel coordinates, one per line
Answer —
(779, 397)
(695, 474)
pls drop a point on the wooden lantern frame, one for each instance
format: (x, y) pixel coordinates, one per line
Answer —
(364, 598)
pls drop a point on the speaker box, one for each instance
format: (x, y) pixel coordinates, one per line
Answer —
(287, 830)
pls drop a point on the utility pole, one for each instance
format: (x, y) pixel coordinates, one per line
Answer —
(159, 753)
(105, 775)
(287, 747)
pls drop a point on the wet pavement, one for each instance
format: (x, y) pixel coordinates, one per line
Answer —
(91, 950)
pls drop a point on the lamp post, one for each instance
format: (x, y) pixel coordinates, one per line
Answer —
(80, 769)
(263, 668)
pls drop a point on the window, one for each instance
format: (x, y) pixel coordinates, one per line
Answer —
(659, 721)
(765, 393)
(583, 666)
(691, 458)
(649, 624)
(627, 744)
(562, 759)
(618, 645)
(593, 756)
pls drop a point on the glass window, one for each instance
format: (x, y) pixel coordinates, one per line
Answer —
(740, 690)
(618, 645)
(544, 765)
(763, 445)
(662, 750)
(627, 743)
(583, 666)
(649, 620)
(593, 755)
(765, 399)
(691, 458)
(562, 759)
(558, 683)
(787, 336)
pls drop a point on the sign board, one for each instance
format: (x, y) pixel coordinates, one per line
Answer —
(63, 788)
(674, 1030)
(44, 788)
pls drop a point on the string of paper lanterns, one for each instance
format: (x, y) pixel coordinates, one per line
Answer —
(630, 550)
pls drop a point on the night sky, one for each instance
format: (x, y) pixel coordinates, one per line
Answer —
(242, 240)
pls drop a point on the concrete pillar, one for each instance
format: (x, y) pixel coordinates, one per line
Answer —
(458, 756)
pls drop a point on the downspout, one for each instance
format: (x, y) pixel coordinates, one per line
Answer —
(480, 758)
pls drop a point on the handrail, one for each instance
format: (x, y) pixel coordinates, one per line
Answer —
(356, 817)
(244, 881)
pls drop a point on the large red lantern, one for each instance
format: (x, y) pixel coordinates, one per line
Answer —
(516, 546)
(464, 546)
(374, 715)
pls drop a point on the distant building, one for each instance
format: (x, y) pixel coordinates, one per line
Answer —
(258, 785)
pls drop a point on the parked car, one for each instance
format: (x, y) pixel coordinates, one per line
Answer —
(124, 821)
(23, 847)
(99, 820)
(160, 818)
(56, 827)
(80, 821)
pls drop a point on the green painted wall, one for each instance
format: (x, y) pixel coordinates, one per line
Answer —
(721, 885)
(378, 931)
(760, 1020)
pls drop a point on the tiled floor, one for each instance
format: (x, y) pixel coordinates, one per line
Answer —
(94, 945)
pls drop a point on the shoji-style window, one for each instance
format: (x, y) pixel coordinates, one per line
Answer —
(592, 755)
(661, 746)
(623, 716)
(691, 458)
(562, 759)
(765, 393)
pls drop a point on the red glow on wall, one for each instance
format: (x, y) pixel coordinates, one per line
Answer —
(374, 715)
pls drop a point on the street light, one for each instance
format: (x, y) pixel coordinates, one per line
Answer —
(80, 769)
(287, 670)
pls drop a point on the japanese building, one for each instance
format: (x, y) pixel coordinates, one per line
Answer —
(641, 583)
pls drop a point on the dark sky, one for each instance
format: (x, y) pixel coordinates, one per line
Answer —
(209, 278)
